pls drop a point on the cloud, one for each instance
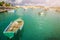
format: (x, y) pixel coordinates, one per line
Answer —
(53, 2)
(35, 2)
(18, 1)
(38, 1)
(14, 1)
(2, 0)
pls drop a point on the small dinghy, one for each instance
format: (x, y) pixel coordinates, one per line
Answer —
(11, 11)
(13, 28)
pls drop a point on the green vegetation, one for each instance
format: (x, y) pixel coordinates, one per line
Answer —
(1, 4)
(4, 4)
(8, 4)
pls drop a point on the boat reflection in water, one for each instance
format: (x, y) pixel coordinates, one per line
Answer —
(13, 28)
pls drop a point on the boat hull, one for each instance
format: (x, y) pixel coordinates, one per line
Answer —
(10, 34)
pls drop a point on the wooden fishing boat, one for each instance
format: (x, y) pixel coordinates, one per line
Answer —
(13, 28)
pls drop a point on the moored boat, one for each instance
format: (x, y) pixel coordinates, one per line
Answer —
(13, 28)
(11, 10)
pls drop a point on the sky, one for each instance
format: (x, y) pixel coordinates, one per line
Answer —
(35, 2)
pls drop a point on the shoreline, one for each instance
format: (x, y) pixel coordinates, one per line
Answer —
(43, 7)
(57, 9)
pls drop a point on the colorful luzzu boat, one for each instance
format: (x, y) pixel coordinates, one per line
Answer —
(13, 28)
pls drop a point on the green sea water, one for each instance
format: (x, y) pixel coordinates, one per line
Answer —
(38, 24)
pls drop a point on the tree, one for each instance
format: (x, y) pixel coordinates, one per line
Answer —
(1, 4)
(7, 4)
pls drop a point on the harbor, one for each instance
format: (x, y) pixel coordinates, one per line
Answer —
(38, 27)
(29, 20)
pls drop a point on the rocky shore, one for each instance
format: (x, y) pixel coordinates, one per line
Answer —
(5, 9)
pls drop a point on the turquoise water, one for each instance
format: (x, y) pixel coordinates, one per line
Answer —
(37, 26)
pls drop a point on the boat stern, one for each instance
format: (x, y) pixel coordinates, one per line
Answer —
(9, 34)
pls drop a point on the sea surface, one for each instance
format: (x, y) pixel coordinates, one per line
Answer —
(38, 24)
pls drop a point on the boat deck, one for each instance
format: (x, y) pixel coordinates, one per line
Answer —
(15, 26)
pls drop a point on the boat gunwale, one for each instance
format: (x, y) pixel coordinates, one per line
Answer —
(5, 31)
